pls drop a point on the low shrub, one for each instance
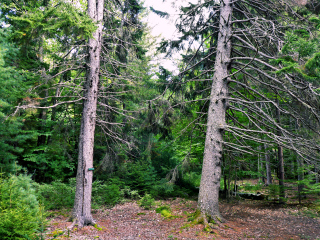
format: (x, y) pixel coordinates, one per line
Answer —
(138, 176)
(147, 201)
(163, 189)
(105, 194)
(126, 192)
(57, 195)
(20, 215)
(249, 187)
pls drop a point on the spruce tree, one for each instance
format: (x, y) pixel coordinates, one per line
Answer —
(244, 51)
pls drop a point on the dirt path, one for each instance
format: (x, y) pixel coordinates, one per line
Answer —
(245, 220)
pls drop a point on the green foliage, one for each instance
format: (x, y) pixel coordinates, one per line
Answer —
(56, 17)
(165, 189)
(249, 187)
(301, 54)
(160, 13)
(313, 66)
(48, 164)
(273, 191)
(105, 194)
(162, 189)
(19, 208)
(147, 201)
(13, 87)
(310, 186)
(57, 195)
(139, 176)
(126, 192)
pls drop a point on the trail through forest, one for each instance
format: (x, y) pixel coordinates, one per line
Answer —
(246, 219)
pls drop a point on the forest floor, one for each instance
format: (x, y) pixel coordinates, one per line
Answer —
(245, 219)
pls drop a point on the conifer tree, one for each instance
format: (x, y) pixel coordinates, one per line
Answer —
(82, 205)
(242, 44)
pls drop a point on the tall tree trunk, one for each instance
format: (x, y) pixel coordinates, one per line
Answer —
(260, 166)
(229, 185)
(300, 178)
(82, 205)
(280, 160)
(43, 113)
(268, 167)
(208, 201)
(281, 175)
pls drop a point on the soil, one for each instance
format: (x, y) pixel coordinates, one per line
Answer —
(245, 219)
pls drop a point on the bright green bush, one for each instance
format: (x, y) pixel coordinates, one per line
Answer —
(19, 208)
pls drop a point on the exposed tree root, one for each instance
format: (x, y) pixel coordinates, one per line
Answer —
(81, 222)
(210, 222)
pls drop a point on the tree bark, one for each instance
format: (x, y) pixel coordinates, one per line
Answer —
(281, 175)
(208, 201)
(82, 205)
(300, 178)
(268, 167)
(43, 113)
(280, 161)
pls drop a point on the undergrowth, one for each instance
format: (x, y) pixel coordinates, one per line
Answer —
(20, 212)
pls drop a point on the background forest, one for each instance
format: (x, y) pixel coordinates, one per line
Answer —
(151, 124)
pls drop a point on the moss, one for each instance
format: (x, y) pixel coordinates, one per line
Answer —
(165, 207)
(186, 226)
(212, 221)
(197, 213)
(199, 220)
(57, 233)
(97, 227)
(190, 219)
(165, 213)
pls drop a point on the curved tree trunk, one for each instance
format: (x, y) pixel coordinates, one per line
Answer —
(82, 205)
(208, 202)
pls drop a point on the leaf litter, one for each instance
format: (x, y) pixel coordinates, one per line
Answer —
(246, 219)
